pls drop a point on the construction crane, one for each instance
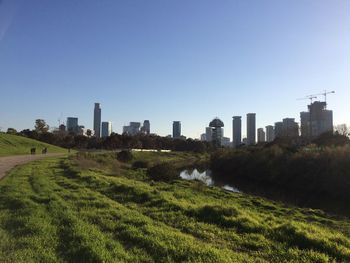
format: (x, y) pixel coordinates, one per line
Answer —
(325, 93)
(309, 97)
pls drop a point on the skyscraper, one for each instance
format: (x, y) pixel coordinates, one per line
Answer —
(317, 120)
(290, 127)
(176, 129)
(218, 131)
(72, 124)
(278, 129)
(270, 133)
(208, 134)
(236, 131)
(132, 129)
(106, 128)
(97, 120)
(261, 135)
(146, 128)
(251, 130)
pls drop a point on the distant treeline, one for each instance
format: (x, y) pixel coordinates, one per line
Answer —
(310, 176)
(117, 141)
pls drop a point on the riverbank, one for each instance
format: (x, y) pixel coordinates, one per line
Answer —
(308, 177)
(96, 209)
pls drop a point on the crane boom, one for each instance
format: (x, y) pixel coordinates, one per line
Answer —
(309, 97)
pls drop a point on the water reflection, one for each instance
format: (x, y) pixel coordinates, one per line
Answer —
(205, 177)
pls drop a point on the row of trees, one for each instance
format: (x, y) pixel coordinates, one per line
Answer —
(311, 176)
(117, 141)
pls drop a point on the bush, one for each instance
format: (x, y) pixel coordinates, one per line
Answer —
(163, 172)
(124, 156)
(140, 164)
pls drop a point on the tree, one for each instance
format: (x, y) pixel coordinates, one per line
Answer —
(11, 131)
(342, 129)
(41, 126)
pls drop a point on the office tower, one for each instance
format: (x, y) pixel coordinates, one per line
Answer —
(251, 130)
(270, 133)
(225, 141)
(287, 128)
(106, 128)
(146, 128)
(208, 134)
(203, 137)
(290, 128)
(62, 128)
(261, 135)
(132, 129)
(236, 131)
(278, 129)
(317, 120)
(72, 124)
(97, 120)
(176, 129)
(217, 131)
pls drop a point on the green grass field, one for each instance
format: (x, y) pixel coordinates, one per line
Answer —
(15, 145)
(98, 210)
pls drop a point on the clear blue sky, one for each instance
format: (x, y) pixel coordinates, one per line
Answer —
(162, 60)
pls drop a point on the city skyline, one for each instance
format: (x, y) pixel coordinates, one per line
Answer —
(247, 59)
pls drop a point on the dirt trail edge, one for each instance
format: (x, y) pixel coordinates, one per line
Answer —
(9, 162)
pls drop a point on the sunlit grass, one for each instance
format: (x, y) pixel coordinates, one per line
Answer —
(61, 210)
(14, 145)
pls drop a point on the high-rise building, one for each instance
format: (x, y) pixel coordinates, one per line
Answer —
(317, 120)
(225, 141)
(287, 128)
(278, 129)
(251, 130)
(62, 128)
(132, 129)
(261, 135)
(146, 128)
(106, 128)
(176, 129)
(72, 124)
(203, 137)
(97, 120)
(236, 131)
(208, 134)
(217, 131)
(290, 127)
(270, 133)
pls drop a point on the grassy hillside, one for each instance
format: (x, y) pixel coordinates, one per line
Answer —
(14, 145)
(94, 209)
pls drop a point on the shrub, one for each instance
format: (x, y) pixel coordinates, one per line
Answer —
(163, 172)
(124, 156)
(140, 164)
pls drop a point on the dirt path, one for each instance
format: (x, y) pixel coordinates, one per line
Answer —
(9, 162)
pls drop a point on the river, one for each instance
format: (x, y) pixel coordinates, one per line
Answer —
(207, 178)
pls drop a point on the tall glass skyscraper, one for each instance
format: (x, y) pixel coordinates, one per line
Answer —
(176, 129)
(236, 131)
(251, 129)
(97, 120)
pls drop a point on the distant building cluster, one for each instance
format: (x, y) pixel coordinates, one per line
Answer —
(314, 122)
(100, 129)
(135, 128)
